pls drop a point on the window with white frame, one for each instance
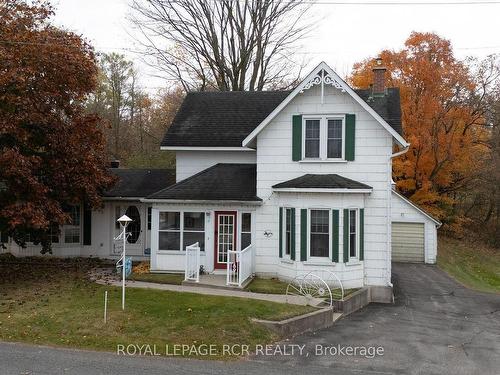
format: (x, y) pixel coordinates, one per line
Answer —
(288, 231)
(246, 230)
(319, 233)
(71, 230)
(194, 229)
(324, 138)
(353, 233)
(180, 229)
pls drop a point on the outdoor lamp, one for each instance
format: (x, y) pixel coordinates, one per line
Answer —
(124, 220)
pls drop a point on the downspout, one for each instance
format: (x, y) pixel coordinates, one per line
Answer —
(389, 211)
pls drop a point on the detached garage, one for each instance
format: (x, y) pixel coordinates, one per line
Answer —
(414, 232)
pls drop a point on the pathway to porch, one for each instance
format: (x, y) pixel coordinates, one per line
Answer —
(279, 298)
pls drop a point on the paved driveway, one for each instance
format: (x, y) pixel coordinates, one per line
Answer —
(436, 326)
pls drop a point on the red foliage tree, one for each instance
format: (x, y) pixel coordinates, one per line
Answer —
(52, 153)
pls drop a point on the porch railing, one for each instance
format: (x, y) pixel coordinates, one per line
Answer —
(239, 266)
(192, 271)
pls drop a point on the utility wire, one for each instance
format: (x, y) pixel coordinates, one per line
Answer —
(387, 3)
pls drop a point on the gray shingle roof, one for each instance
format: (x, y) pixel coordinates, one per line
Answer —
(225, 119)
(321, 181)
(220, 119)
(139, 182)
(226, 182)
(387, 106)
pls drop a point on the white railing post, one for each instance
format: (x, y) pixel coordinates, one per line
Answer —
(239, 266)
(192, 268)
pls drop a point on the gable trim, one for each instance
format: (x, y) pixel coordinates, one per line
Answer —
(341, 85)
(437, 222)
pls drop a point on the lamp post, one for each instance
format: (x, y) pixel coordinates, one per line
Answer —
(124, 221)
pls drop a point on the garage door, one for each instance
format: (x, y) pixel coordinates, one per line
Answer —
(408, 242)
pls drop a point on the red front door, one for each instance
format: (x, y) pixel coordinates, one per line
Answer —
(225, 236)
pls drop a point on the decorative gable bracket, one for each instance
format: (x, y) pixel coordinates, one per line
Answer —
(323, 78)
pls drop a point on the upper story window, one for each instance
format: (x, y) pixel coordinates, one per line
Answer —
(324, 138)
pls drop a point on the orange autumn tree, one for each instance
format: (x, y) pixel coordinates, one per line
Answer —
(441, 120)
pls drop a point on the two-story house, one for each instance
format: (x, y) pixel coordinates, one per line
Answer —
(290, 182)
(273, 183)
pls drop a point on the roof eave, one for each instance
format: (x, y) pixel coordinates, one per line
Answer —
(323, 190)
(204, 148)
(437, 222)
(202, 201)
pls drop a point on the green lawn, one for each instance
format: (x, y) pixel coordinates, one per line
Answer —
(160, 278)
(475, 265)
(267, 286)
(56, 305)
(275, 286)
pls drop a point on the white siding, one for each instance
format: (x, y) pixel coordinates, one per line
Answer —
(371, 166)
(102, 237)
(188, 163)
(402, 211)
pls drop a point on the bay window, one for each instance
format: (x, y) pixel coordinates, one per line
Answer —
(319, 236)
(353, 233)
(288, 231)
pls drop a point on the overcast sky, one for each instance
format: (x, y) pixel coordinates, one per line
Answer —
(344, 33)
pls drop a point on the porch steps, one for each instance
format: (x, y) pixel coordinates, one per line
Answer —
(215, 281)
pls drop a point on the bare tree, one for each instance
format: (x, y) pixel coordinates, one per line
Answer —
(223, 44)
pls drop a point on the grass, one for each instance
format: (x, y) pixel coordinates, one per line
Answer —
(160, 278)
(54, 304)
(475, 265)
(275, 286)
(267, 286)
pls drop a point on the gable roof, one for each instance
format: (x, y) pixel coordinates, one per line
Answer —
(388, 106)
(328, 182)
(404, 199)
(337, 82)
(139, 183)
(220, 119)
(231, 119)
(221, 182)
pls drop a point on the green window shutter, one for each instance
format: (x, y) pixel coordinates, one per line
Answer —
(281, 231)
(346, 236)
(350, 135)
(87, 225)
(362, 234)
(335, 235)
(303, 235)
(297, 137)
(292, 250)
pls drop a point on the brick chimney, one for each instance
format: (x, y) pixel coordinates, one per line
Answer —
(379, 77)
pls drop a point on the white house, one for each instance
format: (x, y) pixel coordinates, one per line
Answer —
(279, 183)
(300, 179)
